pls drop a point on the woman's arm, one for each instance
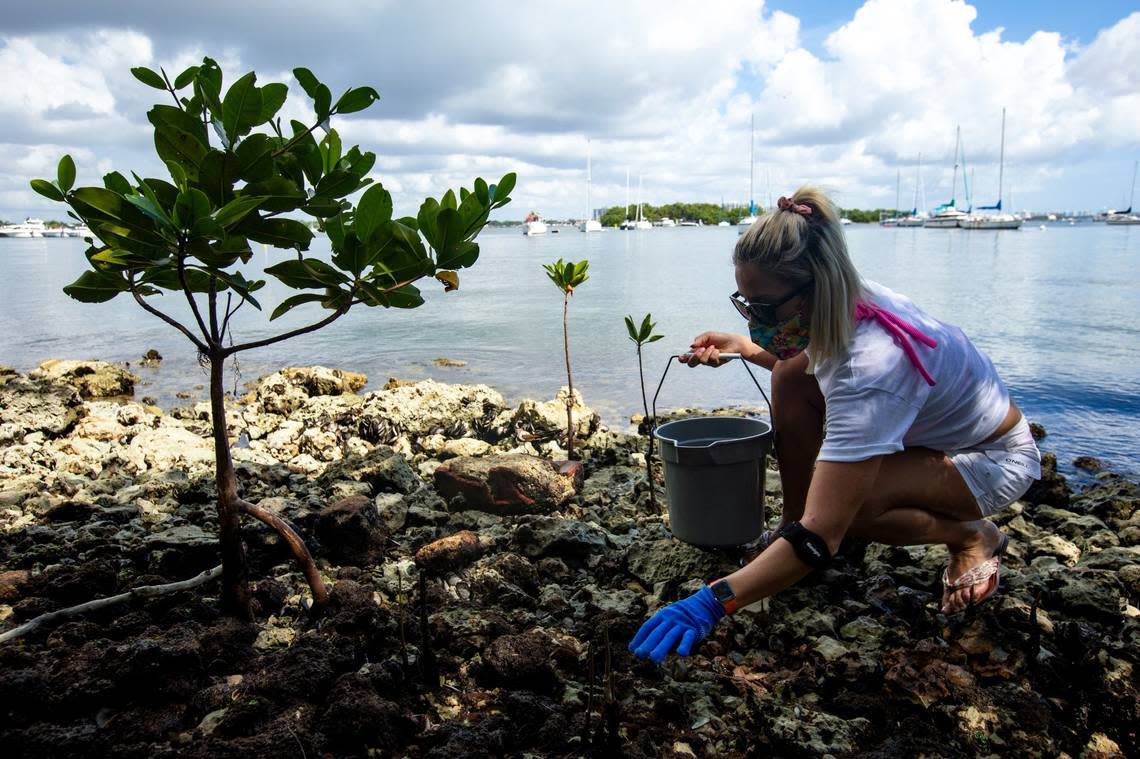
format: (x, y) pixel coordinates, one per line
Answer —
(708, 346)
(838, 490)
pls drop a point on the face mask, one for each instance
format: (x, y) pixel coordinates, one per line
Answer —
(783, 340)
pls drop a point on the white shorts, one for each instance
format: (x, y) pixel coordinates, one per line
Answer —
(1000, 471)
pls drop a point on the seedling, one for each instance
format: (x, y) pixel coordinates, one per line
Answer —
(567, 276)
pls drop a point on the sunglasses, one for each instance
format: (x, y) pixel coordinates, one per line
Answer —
(765, 313)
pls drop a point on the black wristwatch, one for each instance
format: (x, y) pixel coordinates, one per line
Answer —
(723, 593)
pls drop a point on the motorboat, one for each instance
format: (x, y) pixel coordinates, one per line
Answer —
(723, 223)
(29, 228)
(534, 225)
(81, 230)
(665, 221)
(689, 223)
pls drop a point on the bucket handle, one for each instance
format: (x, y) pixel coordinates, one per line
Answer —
(725, 356)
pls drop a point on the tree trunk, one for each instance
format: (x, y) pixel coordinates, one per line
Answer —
(569, 379)
(235, 576)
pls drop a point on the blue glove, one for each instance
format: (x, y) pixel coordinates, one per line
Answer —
(685, 622)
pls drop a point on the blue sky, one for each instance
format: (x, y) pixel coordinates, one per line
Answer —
(845, 94)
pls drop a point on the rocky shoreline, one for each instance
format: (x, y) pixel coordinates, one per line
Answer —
(482, 595)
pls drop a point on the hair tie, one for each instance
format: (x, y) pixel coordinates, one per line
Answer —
(787, 204)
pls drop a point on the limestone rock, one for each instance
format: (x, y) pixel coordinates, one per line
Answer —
(668, 559)
(466, 446)
(93, 379)
(428, 407)
(170, 447)
(1054, 545)
(506, 484)
(384, 470)
(451, 553)
(320, 380)
(28, 405)
(800, 731)
(550, 536)
(351, 531)
(541, 419)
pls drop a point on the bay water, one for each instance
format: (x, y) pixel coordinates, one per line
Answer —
(1057, 308)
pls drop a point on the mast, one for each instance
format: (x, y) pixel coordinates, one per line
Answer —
(751, 162)
(1132, 193)
(1001, 159)
(954, 182)
(917, 181)
(589, 178)
(639, 197)
(627, 193)
(898, 184)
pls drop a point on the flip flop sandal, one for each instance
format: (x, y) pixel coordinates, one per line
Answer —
(977, 575)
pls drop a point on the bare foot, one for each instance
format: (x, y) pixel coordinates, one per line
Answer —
(967, 556)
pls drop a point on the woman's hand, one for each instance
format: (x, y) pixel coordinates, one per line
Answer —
(678, 626)
(708, 346)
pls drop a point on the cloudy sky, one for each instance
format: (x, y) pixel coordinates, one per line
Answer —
(844, 94)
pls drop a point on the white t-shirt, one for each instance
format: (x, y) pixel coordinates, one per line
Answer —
(878, 403)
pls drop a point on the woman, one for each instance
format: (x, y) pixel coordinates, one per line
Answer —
(890, 425)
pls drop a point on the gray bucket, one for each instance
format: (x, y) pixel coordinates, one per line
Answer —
(714, 478)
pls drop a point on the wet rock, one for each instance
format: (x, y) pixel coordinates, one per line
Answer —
(805, 731)
(1037, 431)
(449, 363)
(93, 379)
(1089, 592)
(384, 470)
(525, 660)
(1088, 463)
(551, 536)
(1052, 488)
(670, 560)
(357, 718)
(505, 484)
(451, 553)
(351, 531)
(1114, 557)
(152, 358)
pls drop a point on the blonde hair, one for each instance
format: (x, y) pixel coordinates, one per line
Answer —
(809, 247)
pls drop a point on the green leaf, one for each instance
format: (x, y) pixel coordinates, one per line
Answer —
(330, 150)
(351, 255)
(322, 101)
(272, 98)
(65, 173)
(117, 183)
(481, 191)
(323, 208)
(236, 210)
(307, 153)
(293, 301)
(503, 189)
(307, 274)
(97, 286)
(241, 109)
(177, 173)
(373, 210)
(47, 189)
(279, 193)
(151, 209)
(185, 77)
(149, 77)
(654, 338)
(407, 296)
(191, 205)
(630, 329)
(308, 82)
(337, 185)
(280, 233)
(356, 99)
(208, 86)
(169, 116)
(255, 158)
(241, 285)
(181, 147)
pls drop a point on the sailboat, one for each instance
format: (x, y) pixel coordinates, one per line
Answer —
(743, 225)
(914, 218)
(640, 223)
(590, 224)
(627, 223)
(997, 219)
(1126, 216)
(893, 220)
(946, 216)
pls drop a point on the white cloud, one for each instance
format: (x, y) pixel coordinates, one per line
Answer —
(665, 90)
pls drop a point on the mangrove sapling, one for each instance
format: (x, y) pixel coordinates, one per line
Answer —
(641, 336)
(235, 172)
(567, 276)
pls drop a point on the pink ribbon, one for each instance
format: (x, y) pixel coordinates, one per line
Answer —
(787, 204)
(900, 330)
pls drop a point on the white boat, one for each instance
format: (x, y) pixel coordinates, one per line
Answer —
(947, 215)
(997, 219)
(845, 221)
(665, 221)
(1126, 216)
(723, 223)
(639, 222)
(81, 230)
(689, 223)
(743, 225)
(534, 225)
(590, 224)
(29, 228)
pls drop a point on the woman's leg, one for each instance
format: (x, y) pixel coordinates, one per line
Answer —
(921, 498)
(797, 417)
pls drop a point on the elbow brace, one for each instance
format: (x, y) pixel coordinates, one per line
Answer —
(809, 547)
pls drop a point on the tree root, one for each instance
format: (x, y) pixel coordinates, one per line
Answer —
(296, 546)
(144, 591)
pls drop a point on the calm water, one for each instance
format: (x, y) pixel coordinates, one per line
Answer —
(1057, 309)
